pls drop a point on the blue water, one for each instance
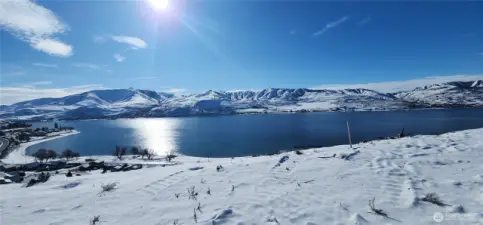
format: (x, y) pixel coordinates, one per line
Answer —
(242, 135)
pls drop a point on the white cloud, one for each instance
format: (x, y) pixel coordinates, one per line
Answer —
(395, 86)
(10, 95)
(35, 25)
(119, 57)
(45, 65)
(134, 42)
(331, 25)
(175, 90)
(52, 47)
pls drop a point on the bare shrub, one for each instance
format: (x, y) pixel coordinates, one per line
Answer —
(434, 199)
(108, 187)
(195, 218)
(170, 156)
(298, 152)
(192, 193)
(199, 207)
(95, 220)
(176, 195)
(208, 191)
(379, 212)
(149, 153)
(119, 152)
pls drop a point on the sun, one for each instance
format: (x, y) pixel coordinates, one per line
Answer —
(159, 4)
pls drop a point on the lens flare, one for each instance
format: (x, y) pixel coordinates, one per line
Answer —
(159, 4)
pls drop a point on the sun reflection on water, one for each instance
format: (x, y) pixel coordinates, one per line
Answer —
(159, 135)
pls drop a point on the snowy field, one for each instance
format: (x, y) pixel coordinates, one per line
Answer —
(304, 189)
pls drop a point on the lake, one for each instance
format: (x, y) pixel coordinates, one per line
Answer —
(243, 135)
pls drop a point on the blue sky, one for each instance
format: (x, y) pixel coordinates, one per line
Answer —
(54, 48)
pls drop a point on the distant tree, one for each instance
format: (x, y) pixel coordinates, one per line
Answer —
(170, 156)
(143, 152)
(149, 153)
(51, 154)
(24, 137)
(135, 150)
(68, 154)
(41, 155)
(56, 125)
(119, 152)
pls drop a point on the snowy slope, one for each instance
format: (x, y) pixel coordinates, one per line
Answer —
(96, 103)
(134, 103)
(464, 93)
(303, 190)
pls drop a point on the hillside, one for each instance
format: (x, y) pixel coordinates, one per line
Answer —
(135, 103)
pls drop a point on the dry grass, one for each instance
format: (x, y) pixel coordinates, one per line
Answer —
(434, 199)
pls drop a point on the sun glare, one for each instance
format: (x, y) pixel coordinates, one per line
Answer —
(159, 4)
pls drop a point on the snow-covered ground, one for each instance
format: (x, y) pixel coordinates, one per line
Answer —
(304, 189)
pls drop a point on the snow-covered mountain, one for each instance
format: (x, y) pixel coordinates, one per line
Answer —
(133, 103)
(464, 93)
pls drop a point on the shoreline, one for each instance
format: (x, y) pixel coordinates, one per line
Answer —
(18, 154)
(301, 111)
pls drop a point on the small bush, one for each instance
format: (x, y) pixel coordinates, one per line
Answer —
(108, 187)
(95, 220)
(298, 152)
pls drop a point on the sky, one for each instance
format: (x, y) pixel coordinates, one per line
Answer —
(56, 48)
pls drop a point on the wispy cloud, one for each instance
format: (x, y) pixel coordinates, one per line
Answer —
(175, 90)
(45, 65)
(41, 83)
(13, 74)
(87, 65)
(364, 21)
(10, 95)
(134, 42)
(35, 25)
(99, 39)
(119, 57)
(142, 78)
(331, 25)
(395, 86)
(293, 32)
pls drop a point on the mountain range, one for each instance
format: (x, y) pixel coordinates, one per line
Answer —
(116, 103)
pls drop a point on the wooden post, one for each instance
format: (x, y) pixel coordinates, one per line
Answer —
(349, 133)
